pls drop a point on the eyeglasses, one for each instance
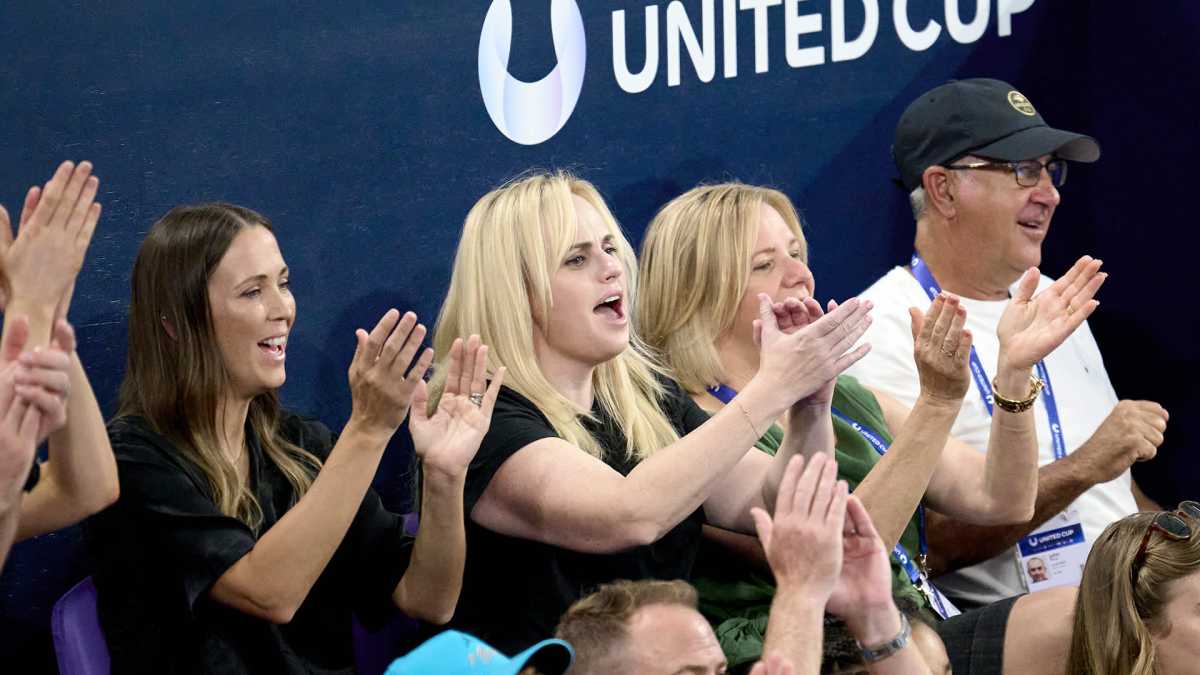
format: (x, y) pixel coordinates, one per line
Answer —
(1172, 526)
(1028, 172)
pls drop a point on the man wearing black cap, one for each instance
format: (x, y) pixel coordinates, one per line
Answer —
(983, 172)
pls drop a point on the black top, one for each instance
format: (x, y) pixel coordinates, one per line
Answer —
(35, 474)
(516, 589)
(161, 547)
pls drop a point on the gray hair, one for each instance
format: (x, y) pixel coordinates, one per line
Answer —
(916, 200)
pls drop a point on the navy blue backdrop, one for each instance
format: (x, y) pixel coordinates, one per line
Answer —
(359, 128)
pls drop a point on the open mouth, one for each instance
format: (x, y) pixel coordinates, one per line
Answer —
(275, 346)
(612, 307)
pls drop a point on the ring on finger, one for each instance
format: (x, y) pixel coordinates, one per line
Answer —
(476, 400)
(946, 352)
(1070, 310)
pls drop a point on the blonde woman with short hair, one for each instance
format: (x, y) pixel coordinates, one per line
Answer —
(710, 254)
(596, 466)
(1136, 612)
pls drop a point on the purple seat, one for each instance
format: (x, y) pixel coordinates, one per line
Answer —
(78, 640)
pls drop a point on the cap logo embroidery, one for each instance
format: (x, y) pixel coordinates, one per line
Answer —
(1021, 104)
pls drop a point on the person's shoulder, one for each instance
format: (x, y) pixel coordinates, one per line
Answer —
(675, 395)
(149, 464)
(134, 438)
(511, 403)
(894, 289)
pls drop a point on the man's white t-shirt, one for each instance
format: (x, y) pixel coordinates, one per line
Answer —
(1082, 391)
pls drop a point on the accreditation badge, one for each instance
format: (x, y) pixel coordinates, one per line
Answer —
(937, 600)
(1053, 555)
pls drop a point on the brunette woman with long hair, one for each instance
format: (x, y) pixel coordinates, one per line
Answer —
(246, 536)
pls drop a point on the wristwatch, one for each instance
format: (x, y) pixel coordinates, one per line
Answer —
(879, 652)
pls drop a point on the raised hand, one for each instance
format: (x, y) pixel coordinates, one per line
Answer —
(803, 361)
(803, 540)
(56, 226)
(19, 421)
(39, 377)
(942, 348)
(1033, 326)
(790, 316)
(382, 384)
(865, 584)
(448, 439)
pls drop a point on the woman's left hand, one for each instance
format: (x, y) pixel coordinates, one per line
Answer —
(1033, 326)
(447, 440)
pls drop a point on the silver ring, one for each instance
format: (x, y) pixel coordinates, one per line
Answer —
(476, 399)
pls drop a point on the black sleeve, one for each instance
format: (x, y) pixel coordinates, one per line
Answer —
(683, 412)
(516, 423)
(376, 551)
(381, 552)
(170, 503)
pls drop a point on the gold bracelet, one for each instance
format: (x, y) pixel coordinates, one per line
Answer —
(748, 420)
(1018, 406)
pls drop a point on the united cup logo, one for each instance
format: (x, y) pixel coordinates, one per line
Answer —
(531, 112)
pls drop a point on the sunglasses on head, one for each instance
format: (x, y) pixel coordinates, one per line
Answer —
(1171, 524)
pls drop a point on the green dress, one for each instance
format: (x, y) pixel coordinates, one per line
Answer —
(737, 601)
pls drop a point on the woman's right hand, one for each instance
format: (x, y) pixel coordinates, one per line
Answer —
(798, 364)
(942, 348)
(381, 382)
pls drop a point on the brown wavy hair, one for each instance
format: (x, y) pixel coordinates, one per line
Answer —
(176, 381)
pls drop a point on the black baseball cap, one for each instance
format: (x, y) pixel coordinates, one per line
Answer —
(983, 117)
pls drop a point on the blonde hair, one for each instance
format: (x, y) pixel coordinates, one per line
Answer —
(513, 241)
(175, 381)
(1114, 619)
(695, 268)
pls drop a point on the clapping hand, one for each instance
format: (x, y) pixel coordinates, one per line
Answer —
(790, 316)
(803, 540)
(448, 439)
(381, 382)
(1035, 325)
(56, 226)
(942, 348)
(803, 360)
(865, 583)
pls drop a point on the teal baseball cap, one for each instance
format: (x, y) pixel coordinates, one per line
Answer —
(455, 653)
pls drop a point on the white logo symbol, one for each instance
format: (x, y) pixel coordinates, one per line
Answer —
(531, 112)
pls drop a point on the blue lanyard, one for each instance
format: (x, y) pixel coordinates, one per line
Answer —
(881, 446)
(984, 384)
(725, 394)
